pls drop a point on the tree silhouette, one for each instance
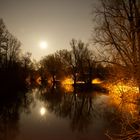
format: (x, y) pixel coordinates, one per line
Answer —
(78, 61)
(12, 72)
(118, 32)
(52, 65)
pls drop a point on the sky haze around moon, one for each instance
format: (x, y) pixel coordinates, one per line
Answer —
(55, 21)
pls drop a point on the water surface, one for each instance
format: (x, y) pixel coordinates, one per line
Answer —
(55, 114)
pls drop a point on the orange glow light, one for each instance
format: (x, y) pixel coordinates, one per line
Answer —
(68, 81)
(67, 84)
(96, 81)
(124, 96)
(38, 80)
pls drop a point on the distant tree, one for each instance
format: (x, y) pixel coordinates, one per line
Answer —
(102, 72)
(78, 61)
(52, 65)
(118, 32)
(13, 50)
(69, 63)
(26, 64)
(3, 42)
(9, 47)
(12, 71)
(26, 60)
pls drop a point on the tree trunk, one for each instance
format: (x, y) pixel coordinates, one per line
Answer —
(54, 80)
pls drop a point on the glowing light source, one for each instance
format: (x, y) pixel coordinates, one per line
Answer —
(42, 111)
(68, 88)
(80, 82)
(67, 84)
(68, 81)
(96, 81)
(43, 44)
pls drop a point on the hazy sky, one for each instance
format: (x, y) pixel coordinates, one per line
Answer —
(56, 21)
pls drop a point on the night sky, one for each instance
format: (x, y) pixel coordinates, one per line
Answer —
(55, 21)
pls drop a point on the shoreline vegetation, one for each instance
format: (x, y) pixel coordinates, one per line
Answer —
(117, 73)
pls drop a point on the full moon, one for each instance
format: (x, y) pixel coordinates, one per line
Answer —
(43, 44)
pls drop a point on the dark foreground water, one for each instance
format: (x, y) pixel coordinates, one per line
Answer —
(53, 114)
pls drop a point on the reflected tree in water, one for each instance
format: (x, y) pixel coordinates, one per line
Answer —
(77, 107)
(10, 110)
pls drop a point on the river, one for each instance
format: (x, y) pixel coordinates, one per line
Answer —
(55, 114)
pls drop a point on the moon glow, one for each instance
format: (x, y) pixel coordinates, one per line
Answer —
(43, 45)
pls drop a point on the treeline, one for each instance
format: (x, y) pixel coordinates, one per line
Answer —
(14, 66)
(78, 63)
(17, 69)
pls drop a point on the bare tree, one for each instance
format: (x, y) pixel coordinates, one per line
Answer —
(118, 32)
(3, 42)
(26, 60)
(52, 65)
(13, 50)
(78, 61)
(9, 47)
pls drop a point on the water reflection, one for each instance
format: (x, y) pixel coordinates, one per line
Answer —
(42, 111)
(78, 107)
(12, 103)
(53, 112)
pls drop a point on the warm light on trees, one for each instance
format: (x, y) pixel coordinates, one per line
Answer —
(118, 33)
